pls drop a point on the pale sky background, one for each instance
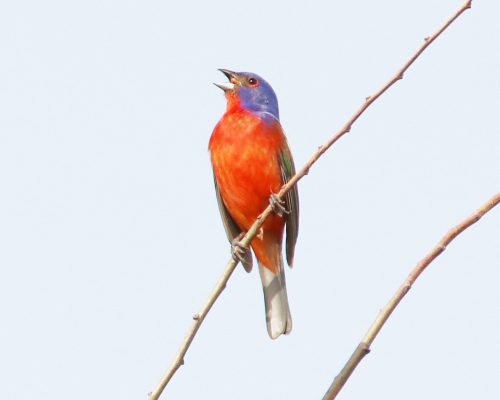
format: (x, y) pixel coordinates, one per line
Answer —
(110, 237)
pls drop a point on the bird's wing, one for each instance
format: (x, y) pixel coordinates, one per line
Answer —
(232, 230)
(292, 202)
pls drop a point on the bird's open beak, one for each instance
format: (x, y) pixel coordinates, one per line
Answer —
(233, 80)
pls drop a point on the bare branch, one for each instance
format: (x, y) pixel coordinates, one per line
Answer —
(364, 347)
(254, 229)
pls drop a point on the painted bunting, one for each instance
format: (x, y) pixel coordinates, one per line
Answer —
(251, 160)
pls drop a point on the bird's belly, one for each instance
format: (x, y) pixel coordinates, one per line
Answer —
(247, 176)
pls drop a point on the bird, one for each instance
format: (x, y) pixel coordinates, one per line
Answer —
(251, 160)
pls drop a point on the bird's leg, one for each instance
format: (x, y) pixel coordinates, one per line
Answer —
(238, 251)
(278, 205)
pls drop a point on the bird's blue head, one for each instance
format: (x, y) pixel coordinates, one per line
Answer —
(251, 91)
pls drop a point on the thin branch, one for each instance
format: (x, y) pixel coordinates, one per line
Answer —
(364, 347)
(254, 229)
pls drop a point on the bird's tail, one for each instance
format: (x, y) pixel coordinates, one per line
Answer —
(278, 318)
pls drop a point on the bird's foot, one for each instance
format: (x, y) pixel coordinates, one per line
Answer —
(238, 251)
(278, 205)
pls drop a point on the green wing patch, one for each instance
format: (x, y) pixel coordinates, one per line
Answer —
(232, 230)
(292, 203)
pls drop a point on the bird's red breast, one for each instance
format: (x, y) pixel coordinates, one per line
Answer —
(244, 151)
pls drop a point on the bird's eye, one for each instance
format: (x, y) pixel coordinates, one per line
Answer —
(252, 82)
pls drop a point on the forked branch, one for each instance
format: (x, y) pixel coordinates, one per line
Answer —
(252, 232)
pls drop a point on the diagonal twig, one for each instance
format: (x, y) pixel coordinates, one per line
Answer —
(254, 229)
(364, 347)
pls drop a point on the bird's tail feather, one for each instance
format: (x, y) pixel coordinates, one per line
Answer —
(278, 318)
